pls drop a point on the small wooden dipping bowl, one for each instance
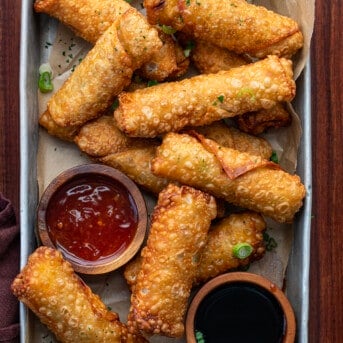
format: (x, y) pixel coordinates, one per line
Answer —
(240, 307)
(95, 215)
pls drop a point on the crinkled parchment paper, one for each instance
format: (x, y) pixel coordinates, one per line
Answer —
(55, 155)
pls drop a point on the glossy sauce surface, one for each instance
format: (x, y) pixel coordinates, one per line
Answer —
(240, 312)
(91, 219)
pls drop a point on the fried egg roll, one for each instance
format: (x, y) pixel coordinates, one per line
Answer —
(211, 59)
(89, 19)
(233, 24)
(230, 137)
(105, 71)
(136, 164)
(241, 179)
(178, 232)
(171, 106)
(101, 137)
(258, 122)
(63, 302)
(217, 256)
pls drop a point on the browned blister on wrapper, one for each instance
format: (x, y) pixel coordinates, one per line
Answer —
(178, 232)
(63, 302)
(233, 24)
(264, 188)
(192, 102)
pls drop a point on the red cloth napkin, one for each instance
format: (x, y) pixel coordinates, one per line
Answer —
(9, 268)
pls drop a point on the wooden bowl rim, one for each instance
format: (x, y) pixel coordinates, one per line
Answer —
(108, 264)
(290, 322)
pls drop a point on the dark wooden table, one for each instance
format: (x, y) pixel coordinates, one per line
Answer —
(326, 275)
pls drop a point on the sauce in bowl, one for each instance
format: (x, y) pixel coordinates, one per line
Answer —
(91, 219)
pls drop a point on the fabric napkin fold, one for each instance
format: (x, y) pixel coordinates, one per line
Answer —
(9, 268)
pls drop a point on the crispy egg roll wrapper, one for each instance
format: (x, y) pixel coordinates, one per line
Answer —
(178, 232)
(105, 71)
(203, 99)
(136, 164)
(233, 24)
(63, 302)
(217, 256)
(89, 19)
(231, 137)
(211, 59)
(66, 133)
(258, 122)
(101, 137)
(261, 188)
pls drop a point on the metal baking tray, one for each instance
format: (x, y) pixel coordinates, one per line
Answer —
(32, 53)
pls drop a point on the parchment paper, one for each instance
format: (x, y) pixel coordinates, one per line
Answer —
(55, 155)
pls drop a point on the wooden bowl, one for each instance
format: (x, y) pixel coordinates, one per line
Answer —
(223, 302)
(95, 215)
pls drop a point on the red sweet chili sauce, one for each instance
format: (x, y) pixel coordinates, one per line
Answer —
(91, 218)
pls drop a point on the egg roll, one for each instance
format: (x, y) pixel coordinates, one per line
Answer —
(171, 106)
(89, 19)
(233, 24)
(231, 137)
(136, 164)
(258, 122)
(178, 232)
(240, 178)
(105, 71)
(63, 302)
(217, 257)
(101, 137)
(209, 58)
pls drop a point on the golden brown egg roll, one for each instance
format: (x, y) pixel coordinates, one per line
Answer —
(63, 302)
(89, 19)
(209, 58)
(258, 122)
(171, 106)
(217, 257)
(231, 137)
(66, 133)
(178, 232)
(233, 24)
(105, 70)
(254, 183)
(101, 137)
(136, 163)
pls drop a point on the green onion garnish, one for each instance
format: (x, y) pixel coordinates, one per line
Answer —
(152, 83)
(274, 157)
(45, 76)
(189, 47)
(242, 250)
(199, 336)
(168, 29)
(269, 241)
(115, 105)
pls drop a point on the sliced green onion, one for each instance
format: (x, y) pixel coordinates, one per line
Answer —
(274, 158)
(115, 105)
(242, 250)
(189, 47)
(45, 76)
(152, 83)
(199, 336)
(168, 29)
(270, 242)
(221, 98)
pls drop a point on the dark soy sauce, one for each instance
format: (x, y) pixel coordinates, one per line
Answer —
(240, 312)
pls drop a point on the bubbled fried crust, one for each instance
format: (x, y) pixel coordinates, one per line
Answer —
(236, 25)
(217, 256)
(272, 192)
(63, 302)
(171, 106)
(178, 232)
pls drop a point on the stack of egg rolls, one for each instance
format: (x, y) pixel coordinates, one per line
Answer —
(233, 24)
(90, 19)
(104, 72)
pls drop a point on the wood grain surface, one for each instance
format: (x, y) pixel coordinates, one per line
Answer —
(326, 273)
